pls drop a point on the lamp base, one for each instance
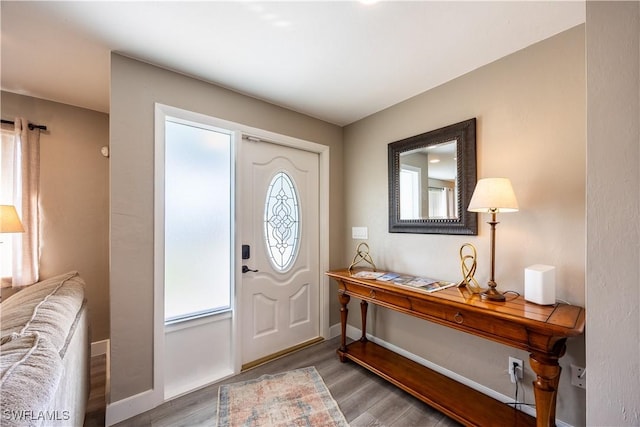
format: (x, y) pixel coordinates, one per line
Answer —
(492, 294)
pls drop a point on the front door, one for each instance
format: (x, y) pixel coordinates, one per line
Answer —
(280, 230)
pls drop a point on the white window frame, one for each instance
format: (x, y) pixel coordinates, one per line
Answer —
(162, 112)
(8, 241)
(414, 203)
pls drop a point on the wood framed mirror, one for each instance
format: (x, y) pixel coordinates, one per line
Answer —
(431, 179)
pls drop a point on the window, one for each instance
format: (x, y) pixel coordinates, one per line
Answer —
(442, 203)
(6, 198)
(197, 219)
(437, 203)
(282, 222)
(410, 189)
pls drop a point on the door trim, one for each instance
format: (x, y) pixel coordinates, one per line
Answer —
(254, 134)
(161, 112)
(156, 394)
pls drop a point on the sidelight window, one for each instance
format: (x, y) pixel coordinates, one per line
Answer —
(197, 219)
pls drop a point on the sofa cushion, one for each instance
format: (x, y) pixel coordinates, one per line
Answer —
(49, 307)
(30, 370)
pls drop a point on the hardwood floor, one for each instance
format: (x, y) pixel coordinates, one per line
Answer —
(365, 399)
(97, 395)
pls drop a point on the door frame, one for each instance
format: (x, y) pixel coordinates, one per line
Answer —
(322, 151)
(238, 131)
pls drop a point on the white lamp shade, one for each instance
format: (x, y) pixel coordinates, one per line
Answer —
(493, 195)
(9, 221)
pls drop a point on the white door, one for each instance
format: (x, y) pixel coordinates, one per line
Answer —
(280, 224)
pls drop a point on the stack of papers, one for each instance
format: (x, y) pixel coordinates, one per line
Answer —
(368, 274)
(419, 283)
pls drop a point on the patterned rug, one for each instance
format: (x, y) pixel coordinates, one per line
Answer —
(294, 398)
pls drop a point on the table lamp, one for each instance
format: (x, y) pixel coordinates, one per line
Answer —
(493, 195)
(9, 220)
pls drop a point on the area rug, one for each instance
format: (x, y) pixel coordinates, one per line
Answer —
(294, 398)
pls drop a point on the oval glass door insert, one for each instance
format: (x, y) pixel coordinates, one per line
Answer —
(282, 222)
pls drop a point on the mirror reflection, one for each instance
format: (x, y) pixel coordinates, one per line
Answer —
(428, 182)
(431, 178)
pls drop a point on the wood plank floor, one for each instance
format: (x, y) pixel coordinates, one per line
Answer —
(364, 398)
(97, 395)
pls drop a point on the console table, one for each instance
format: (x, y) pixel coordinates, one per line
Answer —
(540, 330)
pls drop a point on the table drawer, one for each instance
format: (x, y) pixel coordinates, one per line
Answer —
(377, 296)
(469, 321)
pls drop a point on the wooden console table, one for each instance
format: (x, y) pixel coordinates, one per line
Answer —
(541, 330)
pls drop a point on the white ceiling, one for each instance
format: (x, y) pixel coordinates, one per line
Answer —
(338, 61)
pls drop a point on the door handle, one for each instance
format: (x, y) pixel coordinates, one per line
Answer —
(246, 269)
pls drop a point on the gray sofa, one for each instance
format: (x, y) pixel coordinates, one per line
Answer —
(44, 354)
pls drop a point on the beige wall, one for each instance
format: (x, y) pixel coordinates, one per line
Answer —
(74, 186)
(135, 87)
(530, 110)
(613, 207)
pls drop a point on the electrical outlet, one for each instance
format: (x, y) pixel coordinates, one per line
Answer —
(515, 369)
(578, 376)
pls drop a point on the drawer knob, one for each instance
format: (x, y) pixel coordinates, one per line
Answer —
(372, 294)
(458, 318)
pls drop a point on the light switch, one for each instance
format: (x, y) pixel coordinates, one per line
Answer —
(360, 233)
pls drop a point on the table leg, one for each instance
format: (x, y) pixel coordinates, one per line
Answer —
(545, 388)
(363, 312)
(344, 312)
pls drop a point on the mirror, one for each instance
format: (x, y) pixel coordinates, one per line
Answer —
(431, 180)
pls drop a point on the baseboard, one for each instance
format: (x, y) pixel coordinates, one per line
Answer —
(131, 406)
(99, 348)
(355, 334)
(334, 331)
(174, 392)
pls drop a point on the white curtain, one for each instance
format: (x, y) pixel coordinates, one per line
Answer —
(21, 166)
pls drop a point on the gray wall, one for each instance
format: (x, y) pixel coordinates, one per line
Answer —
(135, 87)
(74, 185)
(613, 206)
(530, 110)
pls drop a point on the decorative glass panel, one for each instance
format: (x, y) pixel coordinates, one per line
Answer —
(282, 222)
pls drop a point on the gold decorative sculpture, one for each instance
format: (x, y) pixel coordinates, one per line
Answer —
(468, 272)
(362, 254)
